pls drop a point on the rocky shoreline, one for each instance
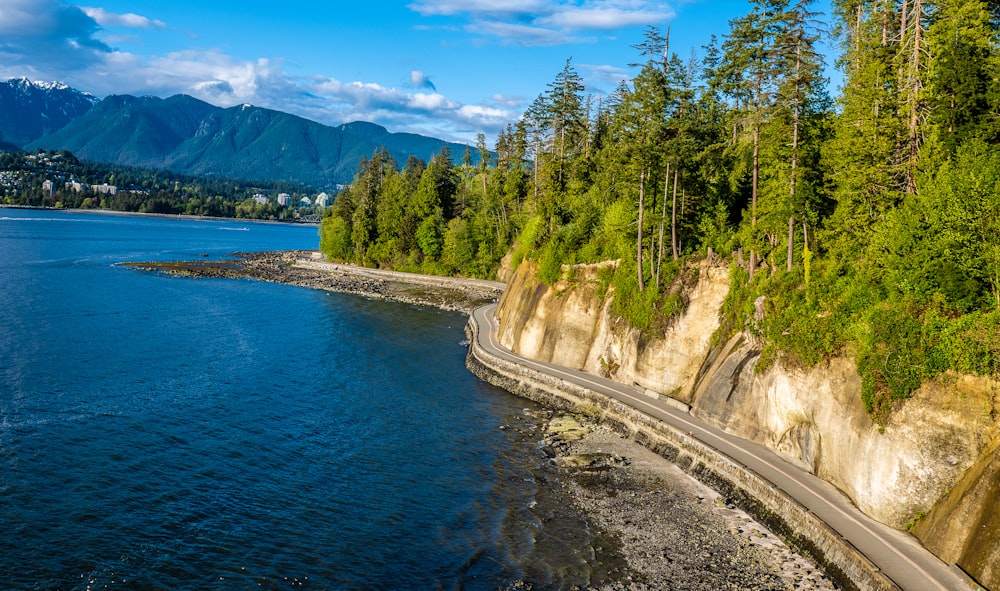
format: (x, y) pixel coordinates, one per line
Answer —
(307, 269)
(672, 531)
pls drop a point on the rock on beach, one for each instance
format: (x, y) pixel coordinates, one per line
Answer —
(673, 531)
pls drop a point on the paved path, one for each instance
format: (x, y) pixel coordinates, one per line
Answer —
(899, 555)
(318, 263)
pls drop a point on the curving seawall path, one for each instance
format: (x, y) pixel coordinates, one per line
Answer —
(855, 551)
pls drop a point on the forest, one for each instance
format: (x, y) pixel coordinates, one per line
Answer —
(22, 178)
(863, 224)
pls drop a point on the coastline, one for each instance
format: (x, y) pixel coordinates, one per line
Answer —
(305, 268)
(171, 216)
(670, 530)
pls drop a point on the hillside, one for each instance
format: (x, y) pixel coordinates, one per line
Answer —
(29, 110)
(190, 136)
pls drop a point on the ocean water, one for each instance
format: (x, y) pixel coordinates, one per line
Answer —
(169, 433)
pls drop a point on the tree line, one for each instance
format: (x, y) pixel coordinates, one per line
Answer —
(869, 221)
(23, 176)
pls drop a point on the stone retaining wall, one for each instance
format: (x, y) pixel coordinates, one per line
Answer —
(782, 514)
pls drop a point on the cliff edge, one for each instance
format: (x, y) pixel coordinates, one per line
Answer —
(934, 467)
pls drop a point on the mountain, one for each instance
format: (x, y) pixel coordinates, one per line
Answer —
(29, 110)
(186, 135)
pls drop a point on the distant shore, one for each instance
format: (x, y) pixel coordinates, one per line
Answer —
(173, 216)
(307, 268)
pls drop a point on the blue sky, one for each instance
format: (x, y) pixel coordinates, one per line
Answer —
(445, 68)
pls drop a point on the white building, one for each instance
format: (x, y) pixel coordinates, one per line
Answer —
(260, 199)
(322, 200)
(305, 202)
(284, 199)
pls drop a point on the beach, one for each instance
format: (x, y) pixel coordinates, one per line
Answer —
(672, 531)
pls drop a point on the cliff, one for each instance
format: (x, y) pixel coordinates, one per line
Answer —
(936, 462)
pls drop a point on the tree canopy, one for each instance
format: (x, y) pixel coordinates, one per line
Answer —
(866, 220)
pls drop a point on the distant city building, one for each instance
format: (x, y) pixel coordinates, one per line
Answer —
(75, 186)
(322, 200)
(104, 189)
(284, 199)
(48, 187)
(260, 199)
(305, 202)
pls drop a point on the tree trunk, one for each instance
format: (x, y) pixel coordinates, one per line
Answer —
(663, 218)
(857, 39)
(911, 169)
(791, 242)
(756, 174)
(638, 242)
(680, 237)
(904, 13)
(673, 219)
(652, 234)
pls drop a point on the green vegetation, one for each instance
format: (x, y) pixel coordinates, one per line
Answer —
(23, 182)
(867, 224)
(192, 137)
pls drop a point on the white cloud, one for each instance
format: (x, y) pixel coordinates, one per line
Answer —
(606, 18)
(520, 34)
(109, 19)
(420, 80)
(453, 7)
(47, 28)
(51, 40)
(604, 75)
(427, 113)
(548, 22)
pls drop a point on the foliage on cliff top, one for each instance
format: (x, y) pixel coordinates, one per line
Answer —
(918, 298)
(872, 229)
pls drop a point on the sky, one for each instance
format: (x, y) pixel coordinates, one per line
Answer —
(445, 68)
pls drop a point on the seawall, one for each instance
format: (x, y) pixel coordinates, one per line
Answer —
(783, 515)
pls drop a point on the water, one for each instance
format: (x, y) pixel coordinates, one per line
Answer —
(168, 433)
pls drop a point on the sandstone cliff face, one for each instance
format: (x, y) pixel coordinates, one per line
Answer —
(937, 455)
(571, 324)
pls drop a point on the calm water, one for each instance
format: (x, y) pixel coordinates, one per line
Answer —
(167, 433)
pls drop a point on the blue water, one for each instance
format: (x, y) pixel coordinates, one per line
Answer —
(171, 433)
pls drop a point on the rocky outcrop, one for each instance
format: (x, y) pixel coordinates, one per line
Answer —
(307, 268)
(935, 463)
(570, 324)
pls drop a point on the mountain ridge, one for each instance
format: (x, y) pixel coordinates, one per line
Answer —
(190, 136)
(29, 110)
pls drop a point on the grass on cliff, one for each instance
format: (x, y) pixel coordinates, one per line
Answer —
(899, 340)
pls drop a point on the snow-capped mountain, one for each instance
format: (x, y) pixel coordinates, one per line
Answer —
(29, 110)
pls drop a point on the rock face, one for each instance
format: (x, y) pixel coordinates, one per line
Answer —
(570, 324)
(936, 462)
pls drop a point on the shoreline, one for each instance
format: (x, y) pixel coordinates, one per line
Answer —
(671, 530)
(169, 216)
(307, 268)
